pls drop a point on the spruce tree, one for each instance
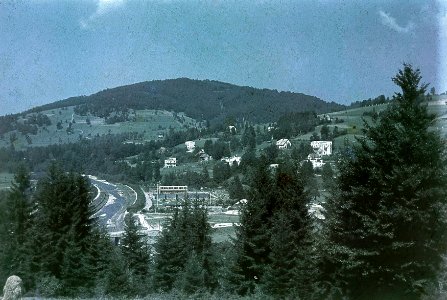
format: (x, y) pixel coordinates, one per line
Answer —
(16, 222)
(169, 255)
(63, 229)
(135, 248)
(291, 268)
(252, 236)
(187, 232)
(235, 189)
(386, 224)
(191, 280)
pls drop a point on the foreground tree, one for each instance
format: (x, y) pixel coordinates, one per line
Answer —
(251, 245)
(291, 270)
(61, 238)
(187, 234)
(273, 245)
(14, 226)
(386, 225)
(135, 250)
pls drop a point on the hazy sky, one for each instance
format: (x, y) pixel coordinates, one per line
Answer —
(337, 50)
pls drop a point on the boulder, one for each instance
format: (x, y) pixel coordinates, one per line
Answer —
(13, 288)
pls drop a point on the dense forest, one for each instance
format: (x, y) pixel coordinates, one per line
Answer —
(383, 235)
(201, 100)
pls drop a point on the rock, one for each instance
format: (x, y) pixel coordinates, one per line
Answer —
(13, 288)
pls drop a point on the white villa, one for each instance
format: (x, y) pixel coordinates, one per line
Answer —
(190, 146)
(171, 162)
(283, 144)
(322, 147)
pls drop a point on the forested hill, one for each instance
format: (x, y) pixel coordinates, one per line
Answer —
(210, 100)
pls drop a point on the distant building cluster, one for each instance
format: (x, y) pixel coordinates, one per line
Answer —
(232, 160)
(321, 148)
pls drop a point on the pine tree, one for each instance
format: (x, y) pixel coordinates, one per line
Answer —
(135, 248)
(252, 236)
(75, 273)
(17, 221)
(201, 244)
(191, 280)
(63, 229)
(386, 224)
(235, 190)
(187, 232)
(116, 277)
(249, 138)
(291, 268)
(169, 255)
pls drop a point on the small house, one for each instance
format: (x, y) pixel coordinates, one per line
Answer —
(171, 162)
(283, 144)
(190, 146)
(204, 156)
(316, 160)
(232, 129)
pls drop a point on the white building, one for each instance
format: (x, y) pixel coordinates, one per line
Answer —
(322, 148)
(171, 162)
(232, 129)
(204, 156)
(190, 146)
(317, 161)
(283, 144)
(317, 211)
(232, 160)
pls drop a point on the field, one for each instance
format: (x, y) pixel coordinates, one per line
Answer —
(5, 180)
(353, 119)
(219, 234)
(150, 124)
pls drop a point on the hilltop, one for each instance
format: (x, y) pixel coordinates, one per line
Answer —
(198, 99)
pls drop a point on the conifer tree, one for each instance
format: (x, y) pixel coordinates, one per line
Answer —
(75, 273)
(191, 279)
(62, 231)
(291, 269)
(187, 232)
(386, 225)
(169, 255)
(252, 236)
(135, 248)
(16, 223)
(235, 190)
(201, 244)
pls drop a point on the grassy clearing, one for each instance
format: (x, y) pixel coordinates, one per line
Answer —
(218, 235)
(223, 218)
(6, 180)
(224, 234)
(149, 123)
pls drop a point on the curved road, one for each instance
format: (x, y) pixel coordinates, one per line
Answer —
(112, 213)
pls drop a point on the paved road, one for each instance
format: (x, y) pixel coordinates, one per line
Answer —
(112, 213)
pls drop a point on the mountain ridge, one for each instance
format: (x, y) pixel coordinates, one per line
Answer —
(201, 99)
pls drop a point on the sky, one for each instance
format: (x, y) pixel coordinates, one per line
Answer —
(339, 51)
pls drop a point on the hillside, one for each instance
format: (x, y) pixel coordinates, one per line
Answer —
(201, 100)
